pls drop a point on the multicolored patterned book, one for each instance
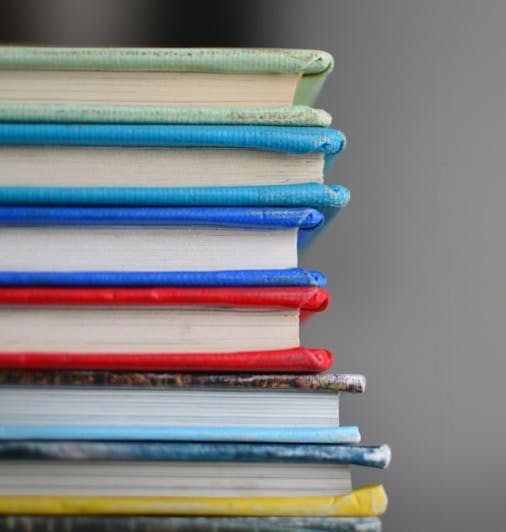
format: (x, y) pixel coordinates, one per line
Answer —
(93, 405)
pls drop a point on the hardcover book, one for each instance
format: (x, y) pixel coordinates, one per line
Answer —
(203, 329)
(93, 405)
(172, 469)
(136, 239)
(161, 156)
(96, 77)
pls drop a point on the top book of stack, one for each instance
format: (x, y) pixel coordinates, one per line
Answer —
(155, 85)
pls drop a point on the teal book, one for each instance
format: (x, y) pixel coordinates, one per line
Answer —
(176, 165)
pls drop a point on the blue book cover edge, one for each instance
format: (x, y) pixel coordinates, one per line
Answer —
(288, 277)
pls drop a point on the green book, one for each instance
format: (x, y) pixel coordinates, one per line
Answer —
(163, 85)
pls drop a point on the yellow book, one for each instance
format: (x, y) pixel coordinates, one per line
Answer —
(362, 502)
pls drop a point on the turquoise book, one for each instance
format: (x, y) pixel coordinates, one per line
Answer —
(120, 164)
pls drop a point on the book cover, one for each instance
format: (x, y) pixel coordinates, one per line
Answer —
(313, 65)
(305, 220)
(107, 523)
(323, 383)
(362, 455)
(305, 298)
(233, 278)
(295, 360)
(298, 140)
(298, 115)
(363, 502)
(329, 199)
(254, 434)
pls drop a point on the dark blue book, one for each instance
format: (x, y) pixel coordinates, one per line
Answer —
(148, 245)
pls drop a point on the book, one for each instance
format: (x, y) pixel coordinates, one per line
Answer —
(80, 239)
(362, 502)
(169, 478)
(103, 405)
(102, 523)
(213, 329)
(158, 156)
(162, 76)
(173, 469)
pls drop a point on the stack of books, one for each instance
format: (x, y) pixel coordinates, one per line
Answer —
(152, 206)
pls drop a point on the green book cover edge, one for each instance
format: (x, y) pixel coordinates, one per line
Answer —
(299, 115)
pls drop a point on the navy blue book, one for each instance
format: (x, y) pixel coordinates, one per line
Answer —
(150, 245)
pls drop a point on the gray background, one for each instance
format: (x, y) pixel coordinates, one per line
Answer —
(416, 263)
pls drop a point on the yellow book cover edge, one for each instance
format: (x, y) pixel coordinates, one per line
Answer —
(362, 502)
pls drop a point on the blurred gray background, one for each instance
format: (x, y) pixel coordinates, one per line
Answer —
(416, 263)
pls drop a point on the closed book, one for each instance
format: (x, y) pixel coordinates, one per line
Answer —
(140, 77)
(163, 156)
(156, 239)
(102, 523)
(161, 328)
(177, 469)
(98, 405)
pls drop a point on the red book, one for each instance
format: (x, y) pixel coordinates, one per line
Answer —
(160, 329)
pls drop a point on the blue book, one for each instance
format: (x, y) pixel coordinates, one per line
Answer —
(141, 245)
(279, 166)
(362, 455)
